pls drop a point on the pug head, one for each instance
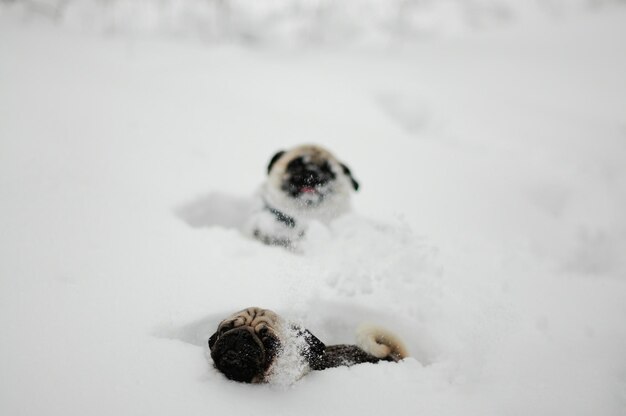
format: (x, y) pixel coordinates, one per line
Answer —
(245, 345)
(308, 175)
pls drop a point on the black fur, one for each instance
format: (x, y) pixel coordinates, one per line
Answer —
(274, 159)
(344, 355)
(346, 171)
(320, 357)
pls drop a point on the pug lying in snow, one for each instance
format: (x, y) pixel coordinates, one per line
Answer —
(248, 345)
(303, 184)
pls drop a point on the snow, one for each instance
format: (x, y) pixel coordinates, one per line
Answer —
(296, 22)
(488, 232)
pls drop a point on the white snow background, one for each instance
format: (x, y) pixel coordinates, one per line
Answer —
(489, 232)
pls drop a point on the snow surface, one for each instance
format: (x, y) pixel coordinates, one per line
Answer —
(489, 230)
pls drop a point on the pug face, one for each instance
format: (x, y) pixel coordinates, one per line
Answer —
(308, 180)
(246, 344)
(307, 176)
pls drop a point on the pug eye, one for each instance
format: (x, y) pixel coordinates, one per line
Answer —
(325, 167)
(226, 327)
(295, 165)
(270, 343)
(268, 338)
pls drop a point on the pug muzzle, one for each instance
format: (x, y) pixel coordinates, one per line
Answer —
(241, 355)
(308, 178)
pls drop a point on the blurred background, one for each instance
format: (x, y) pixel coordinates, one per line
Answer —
(298, 21)
(489, 140)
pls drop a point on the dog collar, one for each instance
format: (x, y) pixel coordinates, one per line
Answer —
(281, 216)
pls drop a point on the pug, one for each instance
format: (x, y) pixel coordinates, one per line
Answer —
(303, 184)
(248, 344)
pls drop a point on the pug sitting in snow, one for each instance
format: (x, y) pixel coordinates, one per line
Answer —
(254, 345)
(303, 184)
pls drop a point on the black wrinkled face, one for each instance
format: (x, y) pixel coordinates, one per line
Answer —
(243, 355)
(307, 180)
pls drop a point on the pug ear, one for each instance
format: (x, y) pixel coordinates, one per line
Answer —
(212, 340)
(347, 172)
(274, 159)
